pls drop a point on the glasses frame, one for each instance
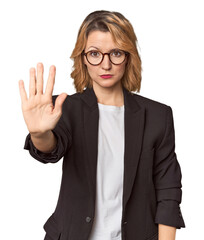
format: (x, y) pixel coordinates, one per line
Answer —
(103, 54)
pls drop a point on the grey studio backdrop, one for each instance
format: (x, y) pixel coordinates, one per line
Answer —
(170, 38)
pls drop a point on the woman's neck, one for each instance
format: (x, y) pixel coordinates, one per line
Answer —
(109, 96)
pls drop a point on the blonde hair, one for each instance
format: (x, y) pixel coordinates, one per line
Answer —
(124, 37)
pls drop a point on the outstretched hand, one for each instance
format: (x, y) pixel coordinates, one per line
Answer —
(38, 111)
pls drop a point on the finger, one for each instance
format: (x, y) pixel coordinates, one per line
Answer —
(50, 81)
(32, 87)
(59, 102)
(22, 91)
(40, 71)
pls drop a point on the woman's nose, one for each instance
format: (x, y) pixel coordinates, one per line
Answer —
(106, 63)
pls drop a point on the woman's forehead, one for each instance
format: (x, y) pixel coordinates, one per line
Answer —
(100, 41)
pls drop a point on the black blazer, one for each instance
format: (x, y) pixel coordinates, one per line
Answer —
(152, 175)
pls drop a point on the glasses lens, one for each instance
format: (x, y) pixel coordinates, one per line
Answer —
(94, 57)
(117, 56)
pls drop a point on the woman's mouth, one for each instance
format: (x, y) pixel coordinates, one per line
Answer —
(106, 76)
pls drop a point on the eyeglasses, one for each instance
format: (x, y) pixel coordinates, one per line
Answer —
(116, 56)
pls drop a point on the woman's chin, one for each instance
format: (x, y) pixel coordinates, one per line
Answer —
(106, 83)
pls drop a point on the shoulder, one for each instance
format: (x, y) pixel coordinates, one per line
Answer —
(156, 111)
(158, 115)
(149, 103)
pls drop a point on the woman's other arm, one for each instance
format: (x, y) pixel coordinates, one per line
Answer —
(166, 232)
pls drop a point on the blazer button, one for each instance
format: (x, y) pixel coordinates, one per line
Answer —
(88, 219)
(124, 223)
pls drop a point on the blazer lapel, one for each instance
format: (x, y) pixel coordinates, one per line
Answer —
(134, 118)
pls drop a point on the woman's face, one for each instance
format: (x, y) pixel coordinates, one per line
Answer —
(103, 42)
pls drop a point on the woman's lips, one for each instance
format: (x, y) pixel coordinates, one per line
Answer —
(106, 76)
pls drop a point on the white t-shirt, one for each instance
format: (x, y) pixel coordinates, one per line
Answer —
(110, 168)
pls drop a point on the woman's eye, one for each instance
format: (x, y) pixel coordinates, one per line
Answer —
(117, 53)
(94, 54)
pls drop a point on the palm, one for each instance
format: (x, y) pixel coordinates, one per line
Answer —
(38, 111)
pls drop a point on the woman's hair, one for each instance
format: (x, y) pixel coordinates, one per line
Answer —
(124, 37)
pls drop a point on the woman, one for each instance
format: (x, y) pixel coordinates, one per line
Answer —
(121, 178)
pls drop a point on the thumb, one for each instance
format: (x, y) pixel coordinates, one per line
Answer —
(59, 102)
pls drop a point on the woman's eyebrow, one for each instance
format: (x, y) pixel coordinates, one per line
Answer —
(93, 47)
(100, 49)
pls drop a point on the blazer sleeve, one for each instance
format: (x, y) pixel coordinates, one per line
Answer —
(167, 178)
(64, 140)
